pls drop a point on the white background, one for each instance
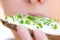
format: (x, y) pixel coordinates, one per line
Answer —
(5, 33)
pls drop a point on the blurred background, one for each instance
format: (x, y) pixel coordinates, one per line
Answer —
(5, 33)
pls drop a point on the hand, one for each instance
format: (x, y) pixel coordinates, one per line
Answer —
(25, 35)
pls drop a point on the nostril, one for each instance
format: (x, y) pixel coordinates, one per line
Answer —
(35, 1)
(38, 0)
(28, 1)
(41, 1)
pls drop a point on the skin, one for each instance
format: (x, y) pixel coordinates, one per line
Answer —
(24, 33)
(48, 8)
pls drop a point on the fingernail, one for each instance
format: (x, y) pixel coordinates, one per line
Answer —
(40, 35)
(19, 27)
(23, 33)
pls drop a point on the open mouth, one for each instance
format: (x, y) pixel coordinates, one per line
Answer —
(47, 25)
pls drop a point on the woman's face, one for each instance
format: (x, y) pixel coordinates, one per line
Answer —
(50, 8)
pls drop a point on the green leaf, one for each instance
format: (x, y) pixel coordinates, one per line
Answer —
(49, 20)
(21, 21)
(12, 17)
(46, 22)
(54, 26)
(55, 20)
(5, 17)
(31, 18)
(39, 25)
(19, 16)
(40, 17)
(27, 22)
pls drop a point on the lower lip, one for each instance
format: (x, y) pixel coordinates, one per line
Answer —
(35, 14)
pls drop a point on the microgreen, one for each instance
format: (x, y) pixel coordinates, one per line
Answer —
(31, 18)
(12, 17)
(21, 21)
(6, 17)
(49, 20)
(27, 22)
(55, 20)
(19, 16)
(46, 23)
(54, 26)
(39, 25)
(40, 17)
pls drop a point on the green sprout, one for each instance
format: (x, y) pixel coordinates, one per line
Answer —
(21, 21)
(49, 20)
(31, 18)
(39, 25)
(55, 20)
(19, 16)
(12, 17)
(27, 22)
(40, 17)
(54, 26)
(6, 17)
(46, 23)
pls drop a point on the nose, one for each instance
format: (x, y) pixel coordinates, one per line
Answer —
(36, 1)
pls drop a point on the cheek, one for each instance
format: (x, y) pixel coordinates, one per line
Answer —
(13, 6)
(56, 8)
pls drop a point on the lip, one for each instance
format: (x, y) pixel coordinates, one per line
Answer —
(36, 14)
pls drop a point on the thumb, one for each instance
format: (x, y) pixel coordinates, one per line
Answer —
(39, 35)
(23, 33)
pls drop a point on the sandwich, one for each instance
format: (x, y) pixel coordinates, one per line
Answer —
(49, 26)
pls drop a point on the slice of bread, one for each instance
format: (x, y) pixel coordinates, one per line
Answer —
(9, 25)
(13, 26)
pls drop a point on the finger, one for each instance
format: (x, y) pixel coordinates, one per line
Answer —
(39, 35)
(23, 33)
